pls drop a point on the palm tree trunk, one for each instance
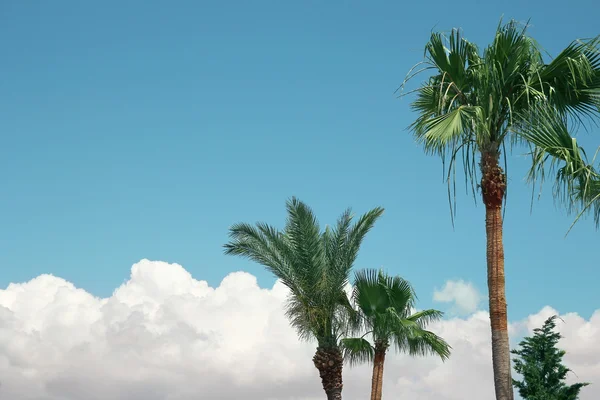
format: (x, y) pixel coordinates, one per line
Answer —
(329, 362)
(377, 380)
(493, 186)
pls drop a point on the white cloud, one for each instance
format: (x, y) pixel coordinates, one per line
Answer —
(464, 295)
(163, 335)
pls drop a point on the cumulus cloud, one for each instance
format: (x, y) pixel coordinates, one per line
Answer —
(465, 297)
(163, 335)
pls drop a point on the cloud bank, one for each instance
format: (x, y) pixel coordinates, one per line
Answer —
(163, 335)
(464, 295)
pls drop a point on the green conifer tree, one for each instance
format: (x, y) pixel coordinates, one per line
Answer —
(540, 365)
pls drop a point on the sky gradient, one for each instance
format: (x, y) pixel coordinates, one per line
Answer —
(134, 130)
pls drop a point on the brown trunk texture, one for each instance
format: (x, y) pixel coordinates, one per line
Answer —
(377, 380)
(329, 362)
(493, 186)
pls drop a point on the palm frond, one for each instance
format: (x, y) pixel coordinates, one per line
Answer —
(400, 293)
(348, 319)
(426, 343)
(409, 334)
(337, 243)
(304, 236)
(393, 323)
(590, 197)
(306, 317)
(572, 79)
(447, 130)
(249, 242)
(556, 151)
(356, 235)
(587, 193)
(451, 55)
(369, 295)
(357, 351)
(425, 317)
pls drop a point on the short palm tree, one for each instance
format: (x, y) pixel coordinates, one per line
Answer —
(476, 105)
(385, 306)
(315, 266)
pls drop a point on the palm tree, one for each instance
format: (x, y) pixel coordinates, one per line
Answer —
(385, 307)
(476, 105)
(315, 266)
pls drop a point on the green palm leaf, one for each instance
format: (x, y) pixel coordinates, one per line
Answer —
(357, 351)
(426, 317)
(424, 343)
(572, 79)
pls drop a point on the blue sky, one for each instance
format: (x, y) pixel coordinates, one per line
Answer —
(135, 130)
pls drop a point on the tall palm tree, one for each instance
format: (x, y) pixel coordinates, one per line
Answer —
(315, 266)
(385, 307)
(476, 105)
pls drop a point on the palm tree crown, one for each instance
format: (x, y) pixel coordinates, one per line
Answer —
(386, 307)
(507, 95)
(314, 265)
